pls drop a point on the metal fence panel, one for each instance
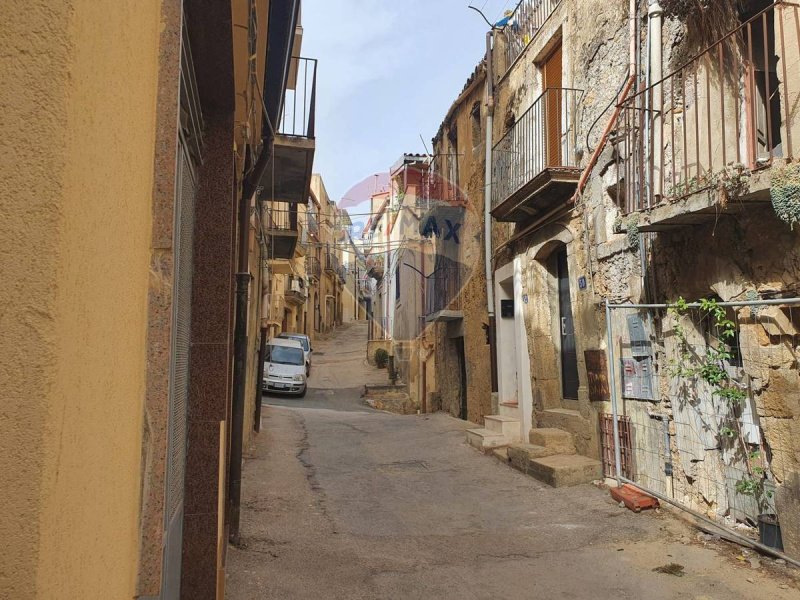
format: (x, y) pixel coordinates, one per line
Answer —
(714, 438)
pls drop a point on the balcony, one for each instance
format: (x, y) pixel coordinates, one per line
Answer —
(375, 266)
(342, 272)
(331, 263)
(529, 18)
(294, 137)
(534, 166)
(281, 229)
(443, 294)
(441, 199)
(295, 292)
(313, 269)
(701, 140)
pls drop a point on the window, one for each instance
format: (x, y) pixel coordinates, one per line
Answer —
(397, 283)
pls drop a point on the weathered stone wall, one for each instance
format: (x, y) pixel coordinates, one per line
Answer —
(465, 123)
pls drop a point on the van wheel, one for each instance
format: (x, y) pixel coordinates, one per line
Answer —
(303, 393)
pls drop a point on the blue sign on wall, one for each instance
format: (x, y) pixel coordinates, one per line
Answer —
(582, 283)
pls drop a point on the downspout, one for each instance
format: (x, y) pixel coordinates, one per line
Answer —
(655, 74)
(487, 207)
(249, 189)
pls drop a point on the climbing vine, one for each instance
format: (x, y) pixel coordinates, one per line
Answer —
(710, 367)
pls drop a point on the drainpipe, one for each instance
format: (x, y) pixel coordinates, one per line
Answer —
(487, 206)
(262, 352)
(239, 365)
(655, 75)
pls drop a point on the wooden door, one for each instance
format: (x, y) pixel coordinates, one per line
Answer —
(569, 355)
(552, 82)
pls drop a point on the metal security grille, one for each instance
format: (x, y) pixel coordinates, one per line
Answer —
(179, 386)
(188, 156)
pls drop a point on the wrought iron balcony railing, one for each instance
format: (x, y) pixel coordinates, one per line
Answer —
(300, 103)
(331, 262)
(544, 137)
(731, 108)
(440, 183)
(313, 268)
(529, 17)
(443, 290)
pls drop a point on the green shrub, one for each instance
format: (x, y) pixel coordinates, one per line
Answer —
(381, 358)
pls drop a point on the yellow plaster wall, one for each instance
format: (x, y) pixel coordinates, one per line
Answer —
(78, 100)
(33, 72)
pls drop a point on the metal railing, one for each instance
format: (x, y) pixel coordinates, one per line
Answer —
(331, 262)
(543, 137)
(443, 290)
(727, 110)
(440, 183)
(300, 103)
(313, 268)
(529, 17)
(280, 216)
(342, 272)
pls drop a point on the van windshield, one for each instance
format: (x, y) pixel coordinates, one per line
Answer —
(282, 355)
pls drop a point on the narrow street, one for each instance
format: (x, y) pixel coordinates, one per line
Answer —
(341, 501)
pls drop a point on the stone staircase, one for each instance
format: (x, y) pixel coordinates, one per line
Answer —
(499, 431)
(551, 457)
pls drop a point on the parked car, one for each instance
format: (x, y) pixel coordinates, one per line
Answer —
(284, 367)
(305, 341)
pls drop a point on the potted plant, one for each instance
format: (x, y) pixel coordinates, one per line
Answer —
(381, 358)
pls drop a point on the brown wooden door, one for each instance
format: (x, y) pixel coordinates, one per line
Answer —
(551, 81)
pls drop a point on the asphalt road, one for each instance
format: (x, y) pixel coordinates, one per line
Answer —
(341, 501)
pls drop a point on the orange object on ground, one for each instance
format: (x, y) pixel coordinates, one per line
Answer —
(634, 498)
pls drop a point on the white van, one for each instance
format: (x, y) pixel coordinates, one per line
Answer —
(284, 367)
(305, 342)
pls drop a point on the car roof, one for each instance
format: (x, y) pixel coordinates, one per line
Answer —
(289, 335)
(288, 343)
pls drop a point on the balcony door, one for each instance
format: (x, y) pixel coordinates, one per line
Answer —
(763, 87)
(552, 83)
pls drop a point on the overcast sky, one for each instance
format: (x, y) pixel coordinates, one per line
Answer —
(388, 72)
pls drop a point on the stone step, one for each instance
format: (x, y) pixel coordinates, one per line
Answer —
(507, 426)
(508, 409)
(520, 455)
(557, 440)
(561, 418)
(484, 439)
(562, 470)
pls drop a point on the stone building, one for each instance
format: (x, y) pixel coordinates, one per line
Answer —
(638, 161)
(456, 311)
